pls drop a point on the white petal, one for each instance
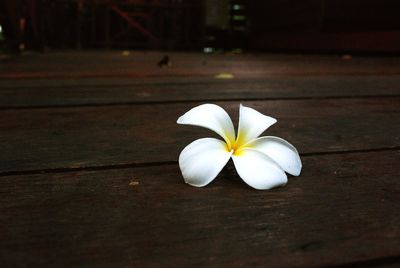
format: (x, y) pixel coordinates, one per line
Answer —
(258, 170)
(210, 116)
(202, 160)
(252, 124)
(280, 151)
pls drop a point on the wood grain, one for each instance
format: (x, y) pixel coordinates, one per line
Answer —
(342, 209)
(111, 92)
(80, 137)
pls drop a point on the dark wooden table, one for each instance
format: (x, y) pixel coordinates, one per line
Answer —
(89, 172)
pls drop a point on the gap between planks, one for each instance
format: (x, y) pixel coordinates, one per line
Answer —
(10, 108)
(167, 163)
(374, 262)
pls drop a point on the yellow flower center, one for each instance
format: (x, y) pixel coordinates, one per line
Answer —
(236, 148)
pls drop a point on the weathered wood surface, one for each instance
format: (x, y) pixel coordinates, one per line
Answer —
(143, 65)
(342, 209)
(89, 174)
(44, 93)
(95, 136)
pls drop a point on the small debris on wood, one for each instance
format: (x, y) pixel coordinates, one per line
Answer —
(164, 61)
(347, 57)
(133, 183)
(224, 76)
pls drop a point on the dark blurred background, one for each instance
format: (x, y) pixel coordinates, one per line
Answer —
(206, 25)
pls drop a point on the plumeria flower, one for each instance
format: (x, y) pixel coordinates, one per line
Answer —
(260, 161)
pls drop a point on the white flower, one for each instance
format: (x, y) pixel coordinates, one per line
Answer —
(260, 161)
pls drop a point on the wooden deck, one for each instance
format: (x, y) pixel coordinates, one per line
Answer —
(89, 174)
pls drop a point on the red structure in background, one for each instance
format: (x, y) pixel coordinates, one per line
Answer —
(132, 18)
(104, 23)
(265, 25)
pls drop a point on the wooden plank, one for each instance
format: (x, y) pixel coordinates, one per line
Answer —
(72, 93)
(97, 136)
(343, 209)
(74, 65)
